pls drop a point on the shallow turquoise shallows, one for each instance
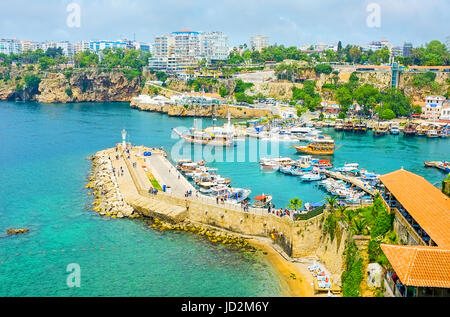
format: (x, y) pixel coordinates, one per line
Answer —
(43, 172)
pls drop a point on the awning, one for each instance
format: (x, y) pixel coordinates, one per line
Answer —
(260, 197)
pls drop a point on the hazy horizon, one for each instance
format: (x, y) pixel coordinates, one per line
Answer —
(287, 22)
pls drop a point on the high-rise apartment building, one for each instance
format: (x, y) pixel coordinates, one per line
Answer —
(10, 46)
(214, 46)
(407, 49)
(258, 42)
(82, 46)
(181, 50)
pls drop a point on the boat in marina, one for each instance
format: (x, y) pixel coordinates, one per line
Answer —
(409, 129)
(395, 128)
(318, 147)
(230, 194)
(445, 132)
(433, 133)
(442, 165)
(422, 129)
(215, 136)
(273, 164)
(323, 164)
(381, 128)
(360, 127)
(339, 125)
(286, 169)
(297, 172)
(262, 201)
(312, 177)
(348, 168)
(348, 126)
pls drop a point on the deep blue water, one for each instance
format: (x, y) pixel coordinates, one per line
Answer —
(43, 172)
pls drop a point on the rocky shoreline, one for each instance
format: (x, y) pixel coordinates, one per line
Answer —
(103, 183)
(218, 111)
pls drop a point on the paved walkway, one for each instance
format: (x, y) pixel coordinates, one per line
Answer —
(166, 174)
(125, 182)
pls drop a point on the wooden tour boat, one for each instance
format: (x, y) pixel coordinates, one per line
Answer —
(382, 128)
(318, 147)
(409, 129)
(348, 126)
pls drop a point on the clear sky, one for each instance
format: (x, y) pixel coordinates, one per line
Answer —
(288, 22)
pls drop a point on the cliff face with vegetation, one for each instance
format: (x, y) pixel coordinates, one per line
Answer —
(71, 86)
(282, 89)
(202, 111)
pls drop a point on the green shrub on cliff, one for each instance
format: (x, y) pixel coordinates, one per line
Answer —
(353, 275)
(422, 80)
(69, 92)
(323, 69)
(32, 82)
(131, 74)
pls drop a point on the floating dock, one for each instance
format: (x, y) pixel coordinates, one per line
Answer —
(351, 180)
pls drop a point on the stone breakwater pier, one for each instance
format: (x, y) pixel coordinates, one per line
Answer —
(123, 182)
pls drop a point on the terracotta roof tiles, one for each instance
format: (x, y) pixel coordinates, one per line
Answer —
(424, 202)
(420, 266)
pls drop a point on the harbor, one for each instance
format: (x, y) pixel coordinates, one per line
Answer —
(386, 154)
(138, 172)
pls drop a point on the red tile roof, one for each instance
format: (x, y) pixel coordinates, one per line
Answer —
(420, 266)
(424, 202)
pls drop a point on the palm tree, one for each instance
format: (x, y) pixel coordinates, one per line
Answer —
(341, 210)
(295, 203)
(332, 201)
(358, 225)
(347, 215)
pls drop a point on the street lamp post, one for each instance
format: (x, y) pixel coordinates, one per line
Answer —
(124, 138)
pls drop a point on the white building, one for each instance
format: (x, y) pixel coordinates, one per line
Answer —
(29, 45)
(258, 42)
(433, 107)
(10, 46)
(67, 48)
(178, 51)
(214, 46)
(96, 46)
(378, 45)
(445, 111)
(82, 46)
(142, 46)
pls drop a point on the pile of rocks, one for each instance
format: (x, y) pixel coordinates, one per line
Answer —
(215, 236)
(16, 231)
(108, 199)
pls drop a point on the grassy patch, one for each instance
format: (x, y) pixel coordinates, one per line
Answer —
(154, 182)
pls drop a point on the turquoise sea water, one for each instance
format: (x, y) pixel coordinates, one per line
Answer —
(43, 171)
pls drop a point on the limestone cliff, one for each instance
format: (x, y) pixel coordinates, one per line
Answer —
(87, 86)
(74, 86)
(380, 79)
